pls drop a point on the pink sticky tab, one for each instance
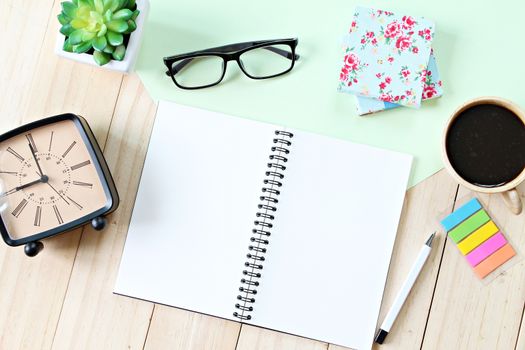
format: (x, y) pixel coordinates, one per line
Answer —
(485, 249)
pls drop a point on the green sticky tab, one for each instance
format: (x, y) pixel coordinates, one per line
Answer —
(469, 225)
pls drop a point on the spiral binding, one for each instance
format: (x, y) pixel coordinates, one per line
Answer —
(263, 224)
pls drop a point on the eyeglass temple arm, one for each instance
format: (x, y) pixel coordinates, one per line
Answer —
(233, 47)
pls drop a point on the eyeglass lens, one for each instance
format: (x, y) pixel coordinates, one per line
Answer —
(198, 71)
(267, 61)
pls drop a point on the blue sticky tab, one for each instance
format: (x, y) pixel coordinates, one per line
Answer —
(460, 214)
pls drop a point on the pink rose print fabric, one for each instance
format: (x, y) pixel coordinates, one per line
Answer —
(429, 79)
(386, 57)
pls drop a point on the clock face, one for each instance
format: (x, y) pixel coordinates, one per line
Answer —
(48, 179)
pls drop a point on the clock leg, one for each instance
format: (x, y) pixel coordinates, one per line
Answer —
(33, 248)
(99, 223)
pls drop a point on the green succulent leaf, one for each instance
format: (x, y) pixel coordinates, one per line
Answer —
(67, 46)
(123, 14)
(93, 27)
(63, 19)
(112, 5)
(131, 26)
(98, 24)
(115, 39)
(96, 17)
(101, 58)
(78, 23)
(103, 30)
(117, 26)
(67, 29)
(99, 6)
(83, 13)
(100, 43)
(83, 47)
(109, 49)
(69, 9)
(119, 53)
(88, 36)
(108, 15)
(76, 37)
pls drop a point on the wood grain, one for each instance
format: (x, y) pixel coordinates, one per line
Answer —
(264, 339)
(33, 289)
(177, 329)
(468, 313)
(520, 343)
(93, 317)
(20, 22)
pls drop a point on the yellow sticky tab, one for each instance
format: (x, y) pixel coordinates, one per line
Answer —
(477, 237)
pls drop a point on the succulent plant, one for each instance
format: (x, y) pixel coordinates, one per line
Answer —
(99, 25)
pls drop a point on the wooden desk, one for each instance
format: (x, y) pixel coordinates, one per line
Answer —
(63, 298)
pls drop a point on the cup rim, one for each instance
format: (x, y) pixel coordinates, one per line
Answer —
(466, 105)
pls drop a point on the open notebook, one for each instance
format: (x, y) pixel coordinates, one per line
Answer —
(265, 225)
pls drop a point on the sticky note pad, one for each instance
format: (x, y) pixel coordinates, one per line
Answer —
(494, 261)
(486, 249)
(477, 237)
(461, 214)
(475, 221)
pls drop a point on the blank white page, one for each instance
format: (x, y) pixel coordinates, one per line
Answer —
(194, 212)
(332, 240)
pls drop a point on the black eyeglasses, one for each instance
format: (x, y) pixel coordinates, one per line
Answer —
(257, 59)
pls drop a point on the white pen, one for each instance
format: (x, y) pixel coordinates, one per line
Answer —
(404, 291)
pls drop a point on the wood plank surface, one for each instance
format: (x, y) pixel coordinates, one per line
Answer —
(468, 313)
(262, 339)
(62, 299)
(177, 329)
(93, 317)
(33, 290)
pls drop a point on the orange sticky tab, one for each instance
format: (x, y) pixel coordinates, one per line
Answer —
(494, 261)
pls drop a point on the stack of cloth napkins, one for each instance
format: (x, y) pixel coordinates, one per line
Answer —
(388, 61)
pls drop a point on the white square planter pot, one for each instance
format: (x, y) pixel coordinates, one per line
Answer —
(132, 49)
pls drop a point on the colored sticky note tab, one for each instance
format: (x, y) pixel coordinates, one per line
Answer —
(486, 249)
(461, 214)
(469, 225)
(494, 261)
(477, 237)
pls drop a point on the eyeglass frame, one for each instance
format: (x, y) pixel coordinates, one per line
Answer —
(232, 52)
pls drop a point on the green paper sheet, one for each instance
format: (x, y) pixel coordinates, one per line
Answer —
(478, 48)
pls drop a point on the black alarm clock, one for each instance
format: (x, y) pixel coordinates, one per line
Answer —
(53, 179)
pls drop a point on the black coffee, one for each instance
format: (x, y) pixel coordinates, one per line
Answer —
(486, 145)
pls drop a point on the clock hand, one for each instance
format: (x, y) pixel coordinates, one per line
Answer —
(58, 193)
(16, 189)
(41, 174)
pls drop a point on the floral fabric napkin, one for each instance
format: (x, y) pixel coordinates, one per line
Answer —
(432, 88)
(385, 56)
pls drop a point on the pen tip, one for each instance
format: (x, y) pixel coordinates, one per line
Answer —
(430, 239)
